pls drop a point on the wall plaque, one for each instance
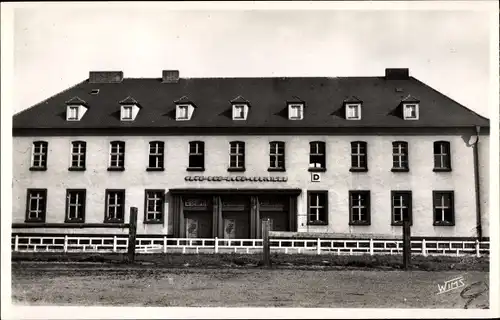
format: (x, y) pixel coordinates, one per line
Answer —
(235, 179)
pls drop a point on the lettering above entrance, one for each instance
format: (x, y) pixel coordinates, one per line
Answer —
(196, 204)
(236, 178)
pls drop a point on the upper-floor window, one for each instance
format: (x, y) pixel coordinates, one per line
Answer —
(236, 156)
(184, 111)
(295, 111)
(39, 155)
(359, 204)
(156, 155)
(410, 111)
(78, 155)
(442, 157)
(277, 156)
(126, 113)
(353, 111)
(317, 156)
(117, 156)
(115, 206)
(359, 157)
(75, 205)
(75, 109)
(444, 210)
(154, 206)
(36, 205)
(196, 156)
(400, 156)
(72, 113)
(240, 111)
(317, 207)
(401, 207)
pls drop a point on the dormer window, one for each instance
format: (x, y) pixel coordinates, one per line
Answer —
(75, 109)
(129, 109)
(72, 113)
(410, 111)
(126, 113)
(353, 111)
(295, 111)
(240, 111)
(182, 112)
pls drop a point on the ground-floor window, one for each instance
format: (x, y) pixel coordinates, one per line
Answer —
(444, 212)
(154, 206)
(401, 207)
(115, 206)
(75, 205)
(359, 207)
(36, 205)
(317, 207)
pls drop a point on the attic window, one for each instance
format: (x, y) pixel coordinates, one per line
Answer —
(126, 113)
(72, 113)
(296, 111)
(94, 91)
(353, 111)
(410, 111)
(183, 112)
(240, 111)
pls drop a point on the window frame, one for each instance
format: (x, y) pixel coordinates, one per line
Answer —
(451, 193)
(82, 155)
(274, 147)
(403, 155)
(447, 156)
(76, 110)
(240, 152)
(319, 145)
(44, 156)
(360, 156)
(68, 204)
(123, 203)
(357, 108)
(159, 156)
(162, 206)
(111, 154)
(43, 214)
(366, 222)
(123, 113)
(300, 111)
(309, 207)
(199, 153)
(243, 111)
(180, 107)
(408, 194)
(408, 105)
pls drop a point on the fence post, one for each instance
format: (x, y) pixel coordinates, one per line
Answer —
(114, 243)
(371, 247)
(265, 242)
(65, 243)
(132, 232)
(165, 244)
(216, 245)
(478, 254)
(424, 248)
(16, 243)
(318, 247)
(406, 243)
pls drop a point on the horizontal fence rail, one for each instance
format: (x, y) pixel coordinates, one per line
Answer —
(145, 245)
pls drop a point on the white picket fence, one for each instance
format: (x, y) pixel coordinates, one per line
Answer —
(119, 244)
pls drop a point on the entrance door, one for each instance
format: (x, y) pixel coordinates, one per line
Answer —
(198, 224)
(277, 210)
(236, 217)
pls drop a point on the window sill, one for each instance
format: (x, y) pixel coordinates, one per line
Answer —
(441, 169)
(443, 224)
(235, 169)
(195, 169)
(76, 169)
(359, 223)
(74, 221)
(316, 169)
(116, 169)
(38, 169)
(399, 224)
(114, 221)
(276, 169)
(358, 170)
(400, 169)
(317, 223)
(34, 221)
(153, 222)
(155, 169)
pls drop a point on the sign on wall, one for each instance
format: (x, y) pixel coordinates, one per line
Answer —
(230, 228)
(191, 228)
(315, 177)
(235, 179)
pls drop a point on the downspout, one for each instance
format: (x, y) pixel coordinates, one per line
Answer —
(477, 185)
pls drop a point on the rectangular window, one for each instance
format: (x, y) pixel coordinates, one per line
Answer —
(442, 158)
(156, 155)
(127, 113)
(236, 156)
(196, 156)
(72, 113)
(444, 211)
(353, 111)
(154, 206)
(182, 112)
(400, 156)
(410, 112)
(78, 151)
(36, 205)
(75, 205)
(39, 155)
(401, 207)
(317, 156)
(317, 207)
(359, 160)
(277, 156)
(296, 112)
(239, 112)
(359, 204)
(115, 206)
(117, 155)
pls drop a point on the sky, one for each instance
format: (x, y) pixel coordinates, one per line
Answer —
(55, 49)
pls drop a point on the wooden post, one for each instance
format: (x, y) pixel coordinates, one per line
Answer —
(216, 249)
(165, 244)
(478, 253)
(406, 244)
(66, 243)
(265, 242)
(114, 243)
(16, 243)
(424, 248)
(318, 246)
(132, 234)
(371, 247)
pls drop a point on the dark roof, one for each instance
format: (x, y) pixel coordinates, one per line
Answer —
(324, 100)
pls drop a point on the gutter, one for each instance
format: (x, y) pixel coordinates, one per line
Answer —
(477, 185)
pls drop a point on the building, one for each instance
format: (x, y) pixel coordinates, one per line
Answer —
(207, 157)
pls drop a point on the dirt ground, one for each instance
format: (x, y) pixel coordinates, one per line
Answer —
(93, 284)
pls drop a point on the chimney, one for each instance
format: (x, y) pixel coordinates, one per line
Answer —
(105, 76)
(397, 74)
(170, 76)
